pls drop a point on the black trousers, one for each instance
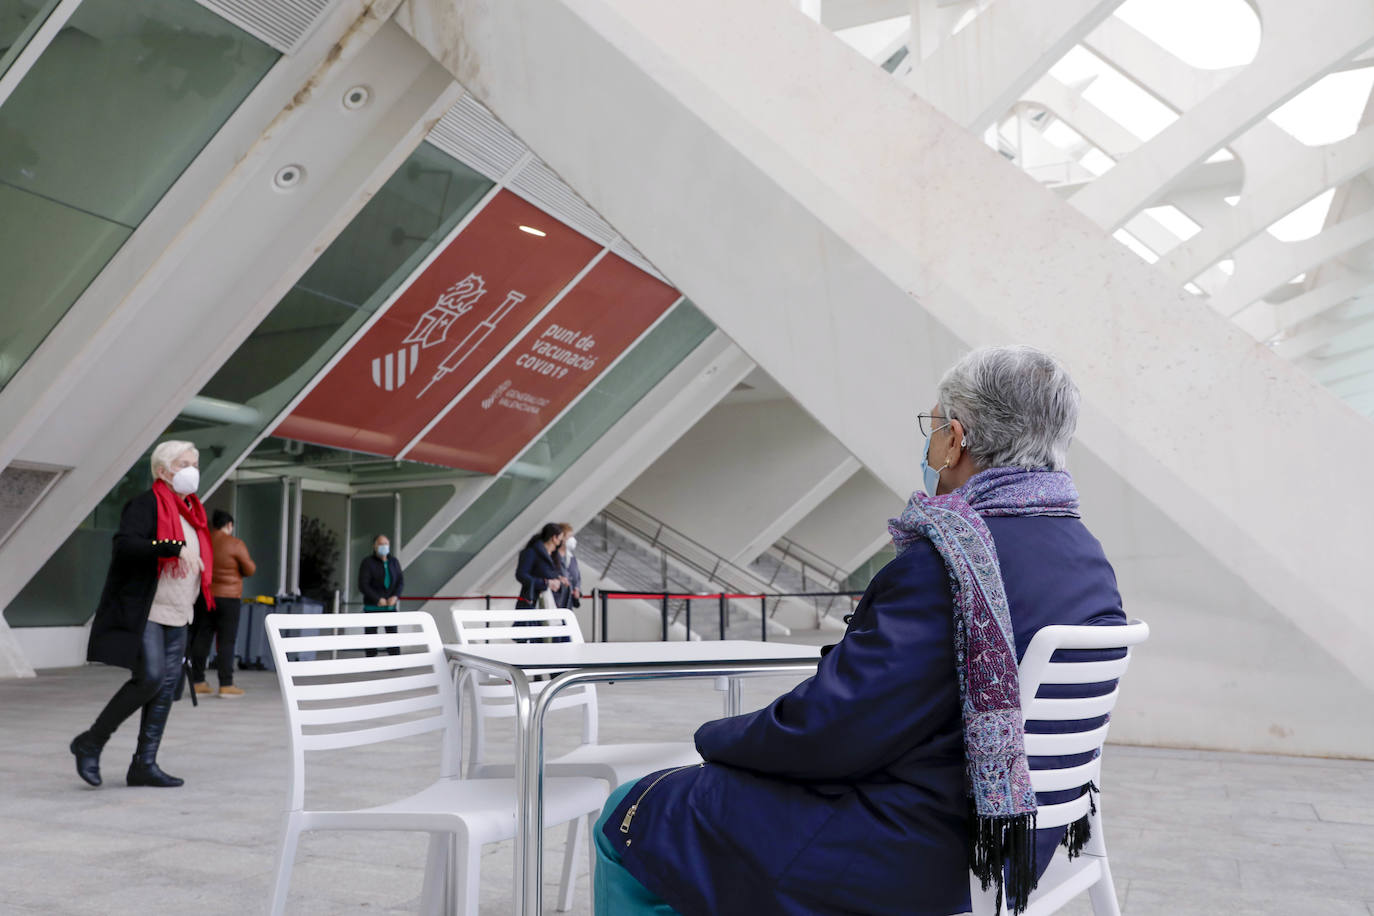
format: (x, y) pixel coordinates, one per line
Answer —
(151, 688)
(394, 650)
(222, 626)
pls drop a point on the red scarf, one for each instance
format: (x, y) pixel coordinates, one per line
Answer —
(170, 511)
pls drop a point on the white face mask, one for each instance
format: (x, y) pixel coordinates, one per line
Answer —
(186, 481)
(572, 544)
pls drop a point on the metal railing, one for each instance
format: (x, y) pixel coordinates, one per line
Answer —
(829, 574)
(685, 551)
(722, 600)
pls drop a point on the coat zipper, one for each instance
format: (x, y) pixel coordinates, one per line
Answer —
(630, 814)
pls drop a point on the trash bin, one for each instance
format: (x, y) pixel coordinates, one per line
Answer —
(253, 650)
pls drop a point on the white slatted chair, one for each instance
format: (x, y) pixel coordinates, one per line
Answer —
(351, 702)
(493, 698)
(1089, 871)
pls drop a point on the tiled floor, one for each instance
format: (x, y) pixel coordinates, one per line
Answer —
(1189, 832)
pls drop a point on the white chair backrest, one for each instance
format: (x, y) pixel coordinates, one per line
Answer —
(494, 698)
(1039, 670)
(337, 702)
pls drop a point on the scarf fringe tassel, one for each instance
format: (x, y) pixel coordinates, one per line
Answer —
(1001, 841)
(1080, 831)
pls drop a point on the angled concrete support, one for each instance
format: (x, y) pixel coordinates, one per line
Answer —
(851, 525)
(978, 74)
(742, 476)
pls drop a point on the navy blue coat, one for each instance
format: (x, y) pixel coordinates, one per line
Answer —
(533, 570)
(847, 794)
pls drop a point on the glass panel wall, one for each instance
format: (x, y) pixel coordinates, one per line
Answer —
(19, 19)
(418, 505)
(117, 106)
(544, 461)
(396, 230)
(257, 520)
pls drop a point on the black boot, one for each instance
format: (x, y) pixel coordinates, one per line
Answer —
(87, 749)
(143, 770)
(143, 773)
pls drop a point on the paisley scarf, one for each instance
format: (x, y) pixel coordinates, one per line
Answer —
(1003, 801)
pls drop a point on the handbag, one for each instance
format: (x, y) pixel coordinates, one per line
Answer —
(546, 601)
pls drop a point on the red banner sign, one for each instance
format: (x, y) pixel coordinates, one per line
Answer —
(468, 304)
(564, 354)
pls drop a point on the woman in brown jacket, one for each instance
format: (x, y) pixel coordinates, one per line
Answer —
(232, 563)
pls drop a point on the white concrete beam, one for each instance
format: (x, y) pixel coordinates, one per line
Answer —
(742, 476)
(846, 14)
(1291, 56)
(851, 525)
(975, 76)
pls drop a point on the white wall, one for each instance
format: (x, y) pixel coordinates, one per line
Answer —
(1223, 668)
(744, 472)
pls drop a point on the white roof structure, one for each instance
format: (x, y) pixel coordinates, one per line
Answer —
(1231, 145)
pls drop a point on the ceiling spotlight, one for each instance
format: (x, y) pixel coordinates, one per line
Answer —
(533, 231)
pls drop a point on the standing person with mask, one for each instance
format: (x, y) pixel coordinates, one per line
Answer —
(159, 578)
(232, 564)
(380, 580)
(537, 569)
(571, 595)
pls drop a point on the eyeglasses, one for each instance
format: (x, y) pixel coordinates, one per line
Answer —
(929, 423)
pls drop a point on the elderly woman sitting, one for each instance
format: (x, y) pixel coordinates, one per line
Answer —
(874, 786)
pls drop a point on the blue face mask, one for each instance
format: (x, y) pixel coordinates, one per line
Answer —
(928, 473)
(383, 550)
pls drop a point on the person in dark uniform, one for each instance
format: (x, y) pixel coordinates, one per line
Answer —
(159, 579)
(380, 580)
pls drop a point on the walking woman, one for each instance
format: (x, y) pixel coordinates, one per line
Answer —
(159, 576)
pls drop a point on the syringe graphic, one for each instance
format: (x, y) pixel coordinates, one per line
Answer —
(474, 339)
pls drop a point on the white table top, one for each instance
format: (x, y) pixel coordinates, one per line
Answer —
(636, 654)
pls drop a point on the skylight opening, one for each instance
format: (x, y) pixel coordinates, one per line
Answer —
(1063, 136)
(1109, 90)
(1174, 220)
(1329, 110)
(1194, 289)
(1299, 278)
(1136, 245)
(1207, 34)
(1227, 266)
(1306, 221)
(1097, 162)
(1232, 200)
(1221, 155)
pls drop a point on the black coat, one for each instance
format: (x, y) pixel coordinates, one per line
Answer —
(371, 575)
(131, 583)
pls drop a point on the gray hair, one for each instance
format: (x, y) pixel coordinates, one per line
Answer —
(1018, 406)
(167, 452)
